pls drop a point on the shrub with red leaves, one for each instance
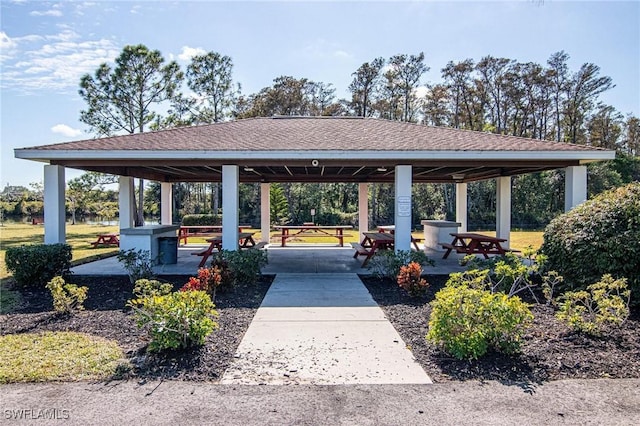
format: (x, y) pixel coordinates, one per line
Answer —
(409, 279)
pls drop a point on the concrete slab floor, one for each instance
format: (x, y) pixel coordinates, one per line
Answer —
(322, 329)
(295, 259)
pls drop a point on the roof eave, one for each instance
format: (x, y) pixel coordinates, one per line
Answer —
(584, 156)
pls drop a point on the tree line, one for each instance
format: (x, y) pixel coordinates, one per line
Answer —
(142, 92)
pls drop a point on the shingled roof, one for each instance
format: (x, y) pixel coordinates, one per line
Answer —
(283, 148)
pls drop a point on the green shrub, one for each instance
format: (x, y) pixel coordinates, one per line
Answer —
(244, 265)
(35, 265)
(176, 320)
(604, 304)
(201, 220)
(387, 263)
(66, 297)
(147, 288)
(138, 264)
(466, 322)
(598, 237)
(509, 274)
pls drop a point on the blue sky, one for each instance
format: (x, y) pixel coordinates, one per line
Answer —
(47, 46)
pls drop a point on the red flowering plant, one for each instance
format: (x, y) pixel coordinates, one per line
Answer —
(409, 279)
(208, 280)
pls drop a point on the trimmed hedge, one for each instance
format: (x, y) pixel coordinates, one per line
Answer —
(600, 236)
(35, 265)
(201, 220)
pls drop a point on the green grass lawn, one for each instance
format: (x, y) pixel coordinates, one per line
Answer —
(79, 236)
(58, 356)
(520, 240)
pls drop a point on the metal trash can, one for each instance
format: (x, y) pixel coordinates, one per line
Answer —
(168, 249)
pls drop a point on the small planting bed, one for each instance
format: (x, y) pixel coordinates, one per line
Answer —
(551, 350)
(106, 316)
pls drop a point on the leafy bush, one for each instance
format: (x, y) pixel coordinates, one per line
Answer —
(387, 263)
(466, 322)
(509, 274)
(201, 220)
(148, 288)
(138, 264)
(598, 237)
(66, 297)
(177, 320)
(244, 265)
(35, 265)
(409, 279)
(208, 280)
(604, 304)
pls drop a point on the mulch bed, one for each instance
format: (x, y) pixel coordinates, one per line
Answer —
(551, 350)
(107, 316)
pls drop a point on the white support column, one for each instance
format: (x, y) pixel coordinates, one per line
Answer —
(54, 211)
(503, 208)
(575, 186)
(265, 212)
(403, 207)
(461, 206)
(363, 209)
(230, 205)
(126, 200)
(166, 203)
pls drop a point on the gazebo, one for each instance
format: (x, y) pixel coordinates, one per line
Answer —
(310, 149)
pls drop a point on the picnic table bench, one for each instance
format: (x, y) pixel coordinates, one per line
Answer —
(184, 232)
(372, 242)
(392, 229)
(106, 240)
(472, 243)
(245, 240)
(312, 231)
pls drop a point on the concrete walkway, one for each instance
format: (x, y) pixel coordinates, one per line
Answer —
(322, 329)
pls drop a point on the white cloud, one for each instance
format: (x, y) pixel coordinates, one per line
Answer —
(65, 130)
(7, 47)
(190, 52)
(52, 12)
(6, 42)
(54, 62)
(323, 49)
(421, 91)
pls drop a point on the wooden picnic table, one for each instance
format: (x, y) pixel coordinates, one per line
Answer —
(472, 243)
(200, 231)
(392, 229)
(372, 242)
(313, 231)
(245, 240)
(106, 240)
